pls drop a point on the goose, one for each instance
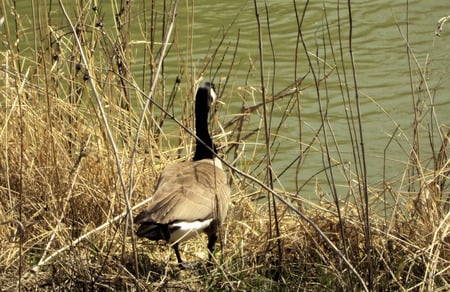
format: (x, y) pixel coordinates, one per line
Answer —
(192, 196)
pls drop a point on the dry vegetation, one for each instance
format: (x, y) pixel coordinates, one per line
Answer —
(81, 146)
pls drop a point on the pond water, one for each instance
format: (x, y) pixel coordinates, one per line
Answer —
(382, 72)
(381, 66)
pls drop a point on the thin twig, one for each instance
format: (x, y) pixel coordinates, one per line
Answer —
(102, 112)
(144, 111)
(75, 242)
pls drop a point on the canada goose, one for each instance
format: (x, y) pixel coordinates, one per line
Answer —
(190, 197)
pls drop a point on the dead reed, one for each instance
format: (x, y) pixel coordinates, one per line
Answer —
(82, 142)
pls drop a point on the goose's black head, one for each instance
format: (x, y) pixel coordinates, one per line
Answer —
(205, 96)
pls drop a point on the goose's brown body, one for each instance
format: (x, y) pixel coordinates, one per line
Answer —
(193, 191)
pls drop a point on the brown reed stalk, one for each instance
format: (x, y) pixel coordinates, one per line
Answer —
(363, 188)
(269, 169)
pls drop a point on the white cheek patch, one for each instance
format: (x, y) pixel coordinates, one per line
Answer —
(216, 162)
(186, 230)
(213, 94)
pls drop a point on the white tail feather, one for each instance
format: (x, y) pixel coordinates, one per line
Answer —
(187, 230)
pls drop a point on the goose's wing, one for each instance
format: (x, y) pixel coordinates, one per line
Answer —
(190, 191)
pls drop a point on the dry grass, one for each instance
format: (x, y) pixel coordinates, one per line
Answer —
(81, 145)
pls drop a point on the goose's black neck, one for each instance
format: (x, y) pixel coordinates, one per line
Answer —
(202, 105)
